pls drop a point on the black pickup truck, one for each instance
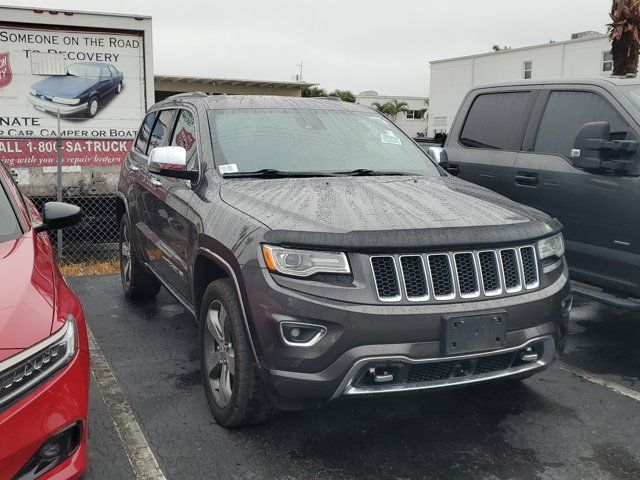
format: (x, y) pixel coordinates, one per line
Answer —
(568, 147)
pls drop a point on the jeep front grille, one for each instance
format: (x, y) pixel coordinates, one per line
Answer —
(455, 275)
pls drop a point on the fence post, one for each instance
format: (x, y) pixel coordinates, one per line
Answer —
(59, 175)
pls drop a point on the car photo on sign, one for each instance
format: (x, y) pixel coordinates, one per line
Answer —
(78, 93)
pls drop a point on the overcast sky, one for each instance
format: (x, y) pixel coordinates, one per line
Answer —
(348, 44)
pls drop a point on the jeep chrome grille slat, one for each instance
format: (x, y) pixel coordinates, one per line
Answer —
(455, 275)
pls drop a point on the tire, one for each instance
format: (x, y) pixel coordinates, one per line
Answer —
(119, 88)
(137, 282)
(236, 398)
(92, 107)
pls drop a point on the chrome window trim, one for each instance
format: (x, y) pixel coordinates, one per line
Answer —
(475, 294)
(518, 267)
(498, 291)
(536, 284)
(310, 343)
(426, 279)
(346, 387)
(396, 298)
(452, 295)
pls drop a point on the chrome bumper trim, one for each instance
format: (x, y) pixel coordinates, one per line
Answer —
(347, 388)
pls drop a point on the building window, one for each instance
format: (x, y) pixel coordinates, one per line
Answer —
(528, 69)
(415, 114)
(440, 124)
(607, 62)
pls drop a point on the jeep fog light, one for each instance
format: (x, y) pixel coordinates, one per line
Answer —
(301, 334)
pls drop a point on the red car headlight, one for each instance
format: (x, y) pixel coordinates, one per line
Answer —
(20, 373)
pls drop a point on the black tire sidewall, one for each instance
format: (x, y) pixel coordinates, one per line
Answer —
(233, 413)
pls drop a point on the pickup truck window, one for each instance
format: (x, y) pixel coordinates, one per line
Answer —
(185, 136)
(566, 112)
(327, 141)
(495, 121)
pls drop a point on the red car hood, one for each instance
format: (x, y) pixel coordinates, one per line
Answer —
(27, 293)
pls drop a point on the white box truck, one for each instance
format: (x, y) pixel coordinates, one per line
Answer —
(79, 79)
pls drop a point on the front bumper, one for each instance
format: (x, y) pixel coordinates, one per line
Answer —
(50, 408)
(52, 107)
(363, 336)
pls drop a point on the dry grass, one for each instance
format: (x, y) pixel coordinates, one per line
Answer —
(89, 268)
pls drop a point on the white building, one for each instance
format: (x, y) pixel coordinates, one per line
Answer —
(587, 54)
(413, 122)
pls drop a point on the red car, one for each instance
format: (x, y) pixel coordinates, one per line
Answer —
(44, 353)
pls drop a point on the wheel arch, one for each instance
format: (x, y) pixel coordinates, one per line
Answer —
(208, 267)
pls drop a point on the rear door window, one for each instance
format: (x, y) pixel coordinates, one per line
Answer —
(185, 136)
(9, 226)
(145, 131)
(162, 130)
(496, 121)
(566, 112)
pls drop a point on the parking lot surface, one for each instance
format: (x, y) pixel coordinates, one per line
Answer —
(557, 425)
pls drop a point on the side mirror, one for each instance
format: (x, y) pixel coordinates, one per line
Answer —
(57, 215)
(170, 162)
(594, 150)
(439, 155)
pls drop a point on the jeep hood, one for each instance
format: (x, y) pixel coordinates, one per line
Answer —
(383, 212)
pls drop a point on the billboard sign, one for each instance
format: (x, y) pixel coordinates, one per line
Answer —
(94, 98)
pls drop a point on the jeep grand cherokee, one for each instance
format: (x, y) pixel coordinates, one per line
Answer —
(324, 255)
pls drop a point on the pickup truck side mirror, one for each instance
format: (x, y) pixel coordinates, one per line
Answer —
(594, 149)
(171, 162)
(57, 215)
(438, 155)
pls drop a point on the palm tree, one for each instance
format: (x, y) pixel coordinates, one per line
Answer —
(624, 31)
(395, 107)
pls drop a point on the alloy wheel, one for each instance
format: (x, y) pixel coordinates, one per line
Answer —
(125, 253)
(220, 360)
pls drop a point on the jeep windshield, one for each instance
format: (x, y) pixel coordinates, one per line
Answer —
(285, 142)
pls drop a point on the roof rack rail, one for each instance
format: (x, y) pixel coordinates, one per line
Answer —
(188, 94)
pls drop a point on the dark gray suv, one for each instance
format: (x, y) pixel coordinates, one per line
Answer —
(324, 255)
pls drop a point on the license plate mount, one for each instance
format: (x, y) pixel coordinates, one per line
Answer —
(462, 334)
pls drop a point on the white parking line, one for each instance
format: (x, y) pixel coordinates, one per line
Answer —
(616, 387)
(144, 463)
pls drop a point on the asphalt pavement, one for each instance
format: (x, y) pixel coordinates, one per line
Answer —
(556, 425)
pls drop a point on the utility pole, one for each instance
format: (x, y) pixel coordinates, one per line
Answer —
(301, 64)
(59, 175)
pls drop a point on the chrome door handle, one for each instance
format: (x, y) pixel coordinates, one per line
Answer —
(155, 182)
(134, 168)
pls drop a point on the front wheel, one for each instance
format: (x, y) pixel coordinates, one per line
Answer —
(233, 387)
(92, 107)
(138, 283)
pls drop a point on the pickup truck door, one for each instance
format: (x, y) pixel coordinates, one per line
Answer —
(483, 144)
(599, 211)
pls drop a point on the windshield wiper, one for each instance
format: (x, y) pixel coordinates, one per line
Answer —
(365, 172)
(273, 173)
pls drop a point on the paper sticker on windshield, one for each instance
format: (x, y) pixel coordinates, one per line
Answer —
(228, 168)
(390, 138)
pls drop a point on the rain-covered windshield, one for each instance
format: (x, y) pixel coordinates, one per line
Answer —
(633, 93)
(84, 70)
(296, 140)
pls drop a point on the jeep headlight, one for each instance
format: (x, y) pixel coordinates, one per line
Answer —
(551, 247)
(304, 263)
(66, 101)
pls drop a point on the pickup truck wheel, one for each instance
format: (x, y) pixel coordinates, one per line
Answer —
(233, 387)
(92, 107)
(137, 282)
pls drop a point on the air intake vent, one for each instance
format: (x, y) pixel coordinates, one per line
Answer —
(529, 267)
(386, 278)
(414, 276)
(467, 275)
(511, 270)
(490, 272)
(441, 276)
